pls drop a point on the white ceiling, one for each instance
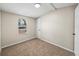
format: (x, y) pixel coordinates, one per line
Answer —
(28, 9)
(61, 5)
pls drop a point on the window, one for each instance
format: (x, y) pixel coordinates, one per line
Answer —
(22, 25)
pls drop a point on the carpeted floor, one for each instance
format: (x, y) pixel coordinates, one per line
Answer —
(35, 47)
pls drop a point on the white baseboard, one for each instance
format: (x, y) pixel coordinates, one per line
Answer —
(16, 43)
(58, 45)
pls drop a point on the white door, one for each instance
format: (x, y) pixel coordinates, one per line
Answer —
(76, 48)
(0, 32)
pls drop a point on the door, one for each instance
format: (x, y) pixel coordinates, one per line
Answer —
(0, 32)
(76, 48)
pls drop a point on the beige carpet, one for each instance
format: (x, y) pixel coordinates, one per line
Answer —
(35, 47)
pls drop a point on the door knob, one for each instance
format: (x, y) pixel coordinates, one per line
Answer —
(73, 33)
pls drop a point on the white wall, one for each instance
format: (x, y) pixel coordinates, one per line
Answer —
(57, 27)
(77, 31)
(38, 28)
(10, 33)
(0, 32)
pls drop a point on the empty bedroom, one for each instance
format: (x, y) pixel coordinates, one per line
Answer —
(39, 29)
